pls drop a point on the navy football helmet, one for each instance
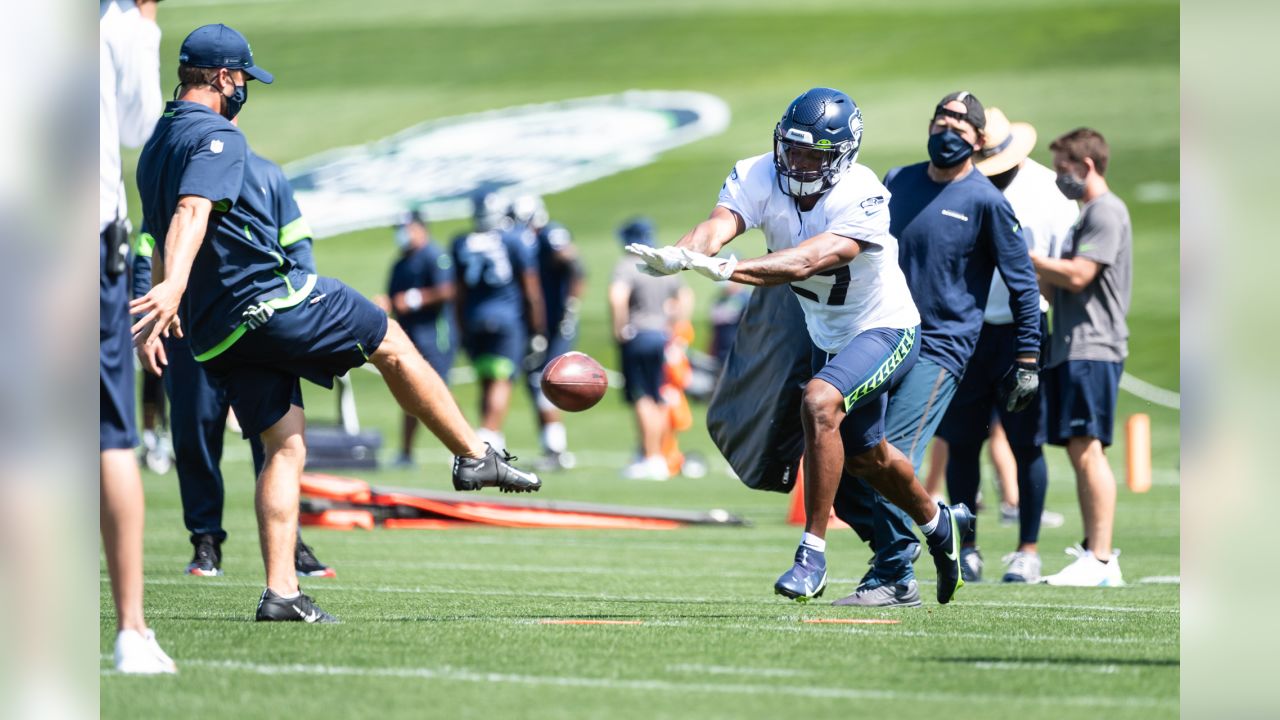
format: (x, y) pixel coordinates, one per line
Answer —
(816, 141)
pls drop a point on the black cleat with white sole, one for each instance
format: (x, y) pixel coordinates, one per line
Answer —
(273, 608)
(493, 470)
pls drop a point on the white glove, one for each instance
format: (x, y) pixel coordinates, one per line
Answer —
(713, 267)
(658, 261)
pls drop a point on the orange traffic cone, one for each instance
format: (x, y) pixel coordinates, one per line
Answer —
(796, 516)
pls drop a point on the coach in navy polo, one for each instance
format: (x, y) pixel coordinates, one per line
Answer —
(954, 228)
(257, 321)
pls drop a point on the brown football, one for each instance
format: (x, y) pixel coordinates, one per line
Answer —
(574, 381)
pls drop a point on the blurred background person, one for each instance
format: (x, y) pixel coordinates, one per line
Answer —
(499, 306)
(976, 411)
(129, 104)
(645, 310)
(563, 283)
(420, 294)
(1092, 284)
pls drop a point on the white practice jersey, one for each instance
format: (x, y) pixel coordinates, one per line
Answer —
(869, 292)
(129, 99)
(1046, 216)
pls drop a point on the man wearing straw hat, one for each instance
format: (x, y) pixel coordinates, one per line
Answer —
(1046, 217)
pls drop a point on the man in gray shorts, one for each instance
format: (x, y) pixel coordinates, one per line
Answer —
(1088, 342)
(643, 309)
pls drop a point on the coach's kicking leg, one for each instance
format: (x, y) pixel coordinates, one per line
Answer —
(276, 501)
(423, 394)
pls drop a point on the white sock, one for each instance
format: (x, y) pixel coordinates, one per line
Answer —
(295, 594)
(814, 542)
(554, 438)
(932, 526)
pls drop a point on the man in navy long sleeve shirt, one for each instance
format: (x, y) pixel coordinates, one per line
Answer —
(953, 228)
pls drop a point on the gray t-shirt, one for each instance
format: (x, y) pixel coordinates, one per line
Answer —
(649, 295)
(1090, 324)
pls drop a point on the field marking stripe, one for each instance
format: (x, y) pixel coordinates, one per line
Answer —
(1151, 393)
(602, 597)
(447, 673)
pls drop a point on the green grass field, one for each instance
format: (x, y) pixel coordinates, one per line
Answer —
(446, 623)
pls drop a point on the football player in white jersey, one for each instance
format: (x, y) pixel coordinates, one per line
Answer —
(826, 224)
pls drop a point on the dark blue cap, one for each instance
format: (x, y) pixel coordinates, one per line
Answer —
(218, 46)
(638, 230)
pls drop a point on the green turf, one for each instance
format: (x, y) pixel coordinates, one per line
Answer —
(446, 623)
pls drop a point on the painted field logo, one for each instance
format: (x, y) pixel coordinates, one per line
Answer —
(541, 149)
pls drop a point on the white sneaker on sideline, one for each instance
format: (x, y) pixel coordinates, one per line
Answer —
(1088, 571)
(652, 468)
(138, 653)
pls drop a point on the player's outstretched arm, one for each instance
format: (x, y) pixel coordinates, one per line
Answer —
(159, 307)
(708, 236)
(817, 254)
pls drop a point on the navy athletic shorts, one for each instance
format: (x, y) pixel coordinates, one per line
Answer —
(977, 402)
(495, 348)
(321, 338)
(117, 424)
(644, 363)
(1081, 397)
(865, 371)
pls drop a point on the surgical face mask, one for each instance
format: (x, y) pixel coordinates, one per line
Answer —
(233, 104)
(948, 149)
(402, 237)
(1070, 186)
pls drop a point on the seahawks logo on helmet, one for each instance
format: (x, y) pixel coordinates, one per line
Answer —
(816, 141)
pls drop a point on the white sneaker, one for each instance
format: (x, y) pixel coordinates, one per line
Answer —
(139, 653)
(1021, 567)
(653, 468)
(1088, 571)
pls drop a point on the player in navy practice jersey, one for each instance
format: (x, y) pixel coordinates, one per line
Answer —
(500, 310)
(563, 283)
(420, 292)
(257, 320)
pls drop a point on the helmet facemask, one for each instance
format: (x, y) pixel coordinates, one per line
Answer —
(807, 168)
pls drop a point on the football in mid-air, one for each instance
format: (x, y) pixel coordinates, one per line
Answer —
(574, 381)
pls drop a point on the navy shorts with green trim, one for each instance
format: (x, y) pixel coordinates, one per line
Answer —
(496, 349)
(333, 330)
(864, 372)
(116, 414)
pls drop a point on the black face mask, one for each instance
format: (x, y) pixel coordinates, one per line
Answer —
(1070, 186)
(947, 149)
(1004, 179)
(231, 108)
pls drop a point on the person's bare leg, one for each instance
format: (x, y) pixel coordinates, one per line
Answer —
(649, 415)
(938, 453)
(495, 400)
(891, 474)
(422, 393)
(276, 499)
(822, 411)
(1096, 486)
(122, 515)
(1006, 465)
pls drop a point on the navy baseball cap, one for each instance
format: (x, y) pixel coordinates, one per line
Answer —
(218, 46)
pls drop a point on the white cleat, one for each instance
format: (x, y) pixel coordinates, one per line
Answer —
(1088, 571)
(138, 653)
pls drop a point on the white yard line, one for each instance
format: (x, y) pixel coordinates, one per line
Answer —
(1151, 393)
(455, 674)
